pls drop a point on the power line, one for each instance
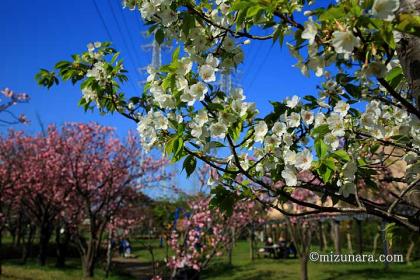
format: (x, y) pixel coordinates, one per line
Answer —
(104, 25)
(260, 67)
(122, 35)
(102, 20)
(253, 56)
(129, 36)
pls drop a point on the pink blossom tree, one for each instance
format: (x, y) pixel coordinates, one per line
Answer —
(104, 175)
(43, 185)
(10, 172)
(79, 179)
(206, 232)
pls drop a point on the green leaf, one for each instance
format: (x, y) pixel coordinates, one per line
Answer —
(223, 199)
(320, 131)
(175, 54)
(321, 148)
(252, 11)
(177, 148)
(215, 144)
(46, 78)
(325, 173)
(353, 90)
(160, 36)
(279, 35)
(409, 24)
(333, 13)
(189, 165)
(235, 131)
(188, 23)
(341, 154)
(330, 163)
(374, 148)
(394, 77)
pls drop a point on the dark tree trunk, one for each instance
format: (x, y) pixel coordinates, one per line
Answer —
(252, 242)
(321, 237)
(231, 245)
(27, 248)
(108, 255)
(62, 241)
(44, 239)
(359, 235)
(408, 51)
(1, 252)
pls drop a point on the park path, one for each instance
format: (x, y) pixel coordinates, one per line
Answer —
(133, 267)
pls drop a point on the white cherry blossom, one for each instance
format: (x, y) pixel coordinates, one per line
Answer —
(344, 41)
(293, 120)
(218, 130)
(293, 102)
(207, 73)
(307, 117)
(289, 175)
(385, 9)
(260, 131)
(341, 108)
(304, 160)
(310, 31)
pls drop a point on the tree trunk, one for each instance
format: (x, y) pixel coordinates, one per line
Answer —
(408, 51)
(1, 252)
(89, 259)
(152, 255)
(27, 248)
(359, 236)
(410, 250)
(375, 243)
(349, 245)
(62, 241)
(303, 267)
(44, 239)
(108, 255)
(349, 237)
(384, 243)
(230, 255)
(321, 237)
(231, 245)
(336, 236)
(251, 242)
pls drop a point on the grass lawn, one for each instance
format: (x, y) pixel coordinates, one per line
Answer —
(32, 271)
(242, 269)
(270, 269)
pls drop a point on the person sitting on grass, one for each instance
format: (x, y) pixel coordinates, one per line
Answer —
(269, 247)
(127, 248)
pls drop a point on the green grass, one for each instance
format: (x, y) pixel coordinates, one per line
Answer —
(242, 269)
(269, 269)
(32, 271)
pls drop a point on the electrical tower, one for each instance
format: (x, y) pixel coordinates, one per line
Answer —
(229, 80)
(156, 49)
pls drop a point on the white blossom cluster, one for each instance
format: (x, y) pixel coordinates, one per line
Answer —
(347, 181)
(149, 126)
(384, 121)
(344, 41)
(282, 145)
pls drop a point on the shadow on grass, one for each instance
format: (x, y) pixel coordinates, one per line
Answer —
(371, 273)
(237, 272)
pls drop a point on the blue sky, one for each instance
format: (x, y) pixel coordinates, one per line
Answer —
(37, 34)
